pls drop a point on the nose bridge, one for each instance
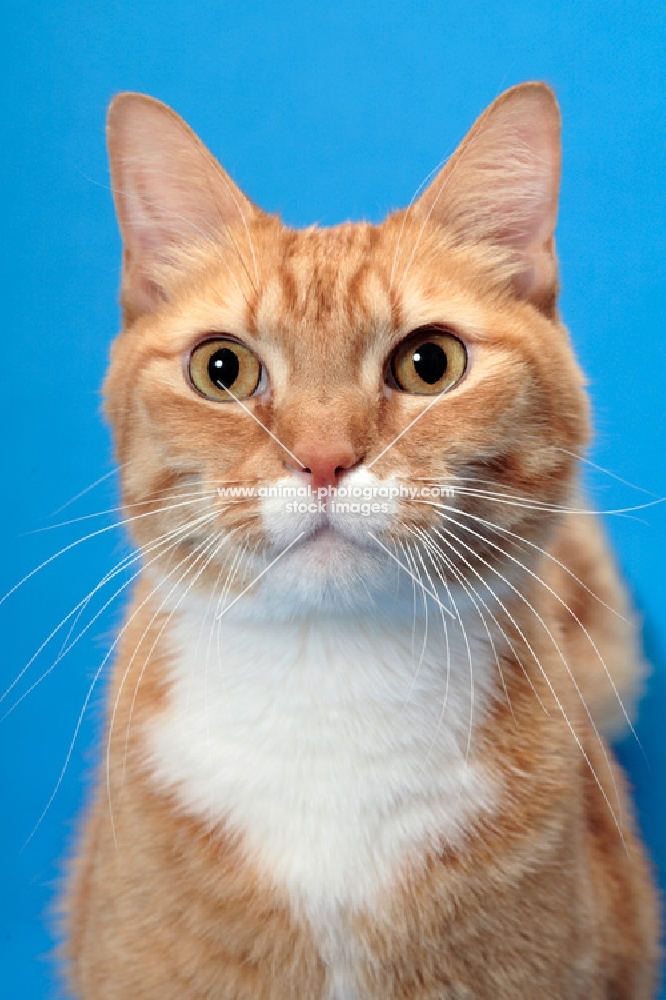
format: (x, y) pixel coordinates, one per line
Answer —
(325, 420)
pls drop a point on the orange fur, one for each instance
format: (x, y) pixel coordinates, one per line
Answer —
(548, 892)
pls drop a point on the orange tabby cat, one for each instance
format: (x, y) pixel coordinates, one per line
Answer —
(353, 747)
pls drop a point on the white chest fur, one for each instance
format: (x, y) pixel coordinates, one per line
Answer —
(335, 747)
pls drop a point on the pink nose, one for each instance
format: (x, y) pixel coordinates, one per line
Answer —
(325, 463)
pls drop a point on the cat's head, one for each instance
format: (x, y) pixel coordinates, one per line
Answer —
(422, 354)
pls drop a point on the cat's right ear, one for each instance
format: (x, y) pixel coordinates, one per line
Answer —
(169, 192)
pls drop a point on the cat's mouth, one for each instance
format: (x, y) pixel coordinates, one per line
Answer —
(324, 565)
(334, 534)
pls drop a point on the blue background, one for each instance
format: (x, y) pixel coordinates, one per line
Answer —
(321, 111)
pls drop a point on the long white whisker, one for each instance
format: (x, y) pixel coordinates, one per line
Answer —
(446, 640)
(456, 166)
(231, 576)
(207, 238)
(471, 686)
(499, 529)
(191, 559)
(557, 508)
(213, 629)
(86, 538)
(402, 433)
(443, 708)
(74, 738)
(543, 672)
(414, 604)
(197, 496)
(437, 555)
(120, 567)
(408, 556)
(566, 607)
(240, 211)
(607, 472)
(214, 544)
(259, 575)
(525, 541)
(81, 493)
(269, 432)
(531, 503)
(474, 598)
(431, 593)
(426, 180)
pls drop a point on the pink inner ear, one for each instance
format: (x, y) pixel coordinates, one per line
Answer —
(501, 185)
(169, 191)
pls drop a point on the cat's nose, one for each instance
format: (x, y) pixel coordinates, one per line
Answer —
(325, 463)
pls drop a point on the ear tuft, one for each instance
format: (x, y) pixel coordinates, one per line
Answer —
(501, 187)
(169, 192)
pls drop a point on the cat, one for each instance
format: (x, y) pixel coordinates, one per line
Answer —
(354, 741)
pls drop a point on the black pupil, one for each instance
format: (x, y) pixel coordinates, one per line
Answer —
(430, 362)
(223, 368)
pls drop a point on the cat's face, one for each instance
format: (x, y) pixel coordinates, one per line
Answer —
(423, 354)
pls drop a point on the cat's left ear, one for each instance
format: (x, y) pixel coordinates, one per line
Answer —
(170, 192)
(501, 187)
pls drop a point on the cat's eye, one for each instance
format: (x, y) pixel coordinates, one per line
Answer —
(222, 364)
(429, 361)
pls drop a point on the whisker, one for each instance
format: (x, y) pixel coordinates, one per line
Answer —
(519, 539)
(70, 749)
(499, 529)
(124, 564)
(191, 559)
(86, 538)
(471, 684)
(414, 603)
(420, 188)
(217, 617)
(446, 639)
(544, 505)
(76, 732)
(395, 440)
(207, 238)
(566, 607)
(202, 495)
(408, 556)
(438, 554)
(473, 596)
(607, 472)
(231, 576)
(81, 493)
(214, 629)
(558, 508)
(215, 543)
(440, 720)
(543, 672)
(431, 593)
(259, 575)
(229, 233)
(455, 167)
(269, 432)
(241, 213)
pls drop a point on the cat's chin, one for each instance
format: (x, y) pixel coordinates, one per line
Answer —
(325, 571)
(327, 541)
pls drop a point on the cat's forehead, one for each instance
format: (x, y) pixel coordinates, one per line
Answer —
(336, 293)
(323, 284)
(326, 299)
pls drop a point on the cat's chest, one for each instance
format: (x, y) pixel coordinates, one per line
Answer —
(335, 750)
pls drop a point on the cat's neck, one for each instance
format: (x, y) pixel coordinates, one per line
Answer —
(331, 743)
